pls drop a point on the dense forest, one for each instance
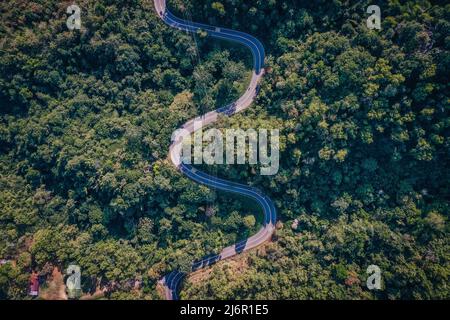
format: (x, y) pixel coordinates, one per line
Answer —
(86, 118)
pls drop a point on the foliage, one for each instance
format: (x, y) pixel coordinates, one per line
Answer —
(86, 119)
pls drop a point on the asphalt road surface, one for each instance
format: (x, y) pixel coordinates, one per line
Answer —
(172, 281)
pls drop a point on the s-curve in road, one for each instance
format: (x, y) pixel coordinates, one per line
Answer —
(172, 281)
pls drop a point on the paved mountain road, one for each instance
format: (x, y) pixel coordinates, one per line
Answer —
(172, 281)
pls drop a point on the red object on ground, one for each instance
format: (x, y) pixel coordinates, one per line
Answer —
(34, 285)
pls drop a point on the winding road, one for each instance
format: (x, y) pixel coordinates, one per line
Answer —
(172, 281)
